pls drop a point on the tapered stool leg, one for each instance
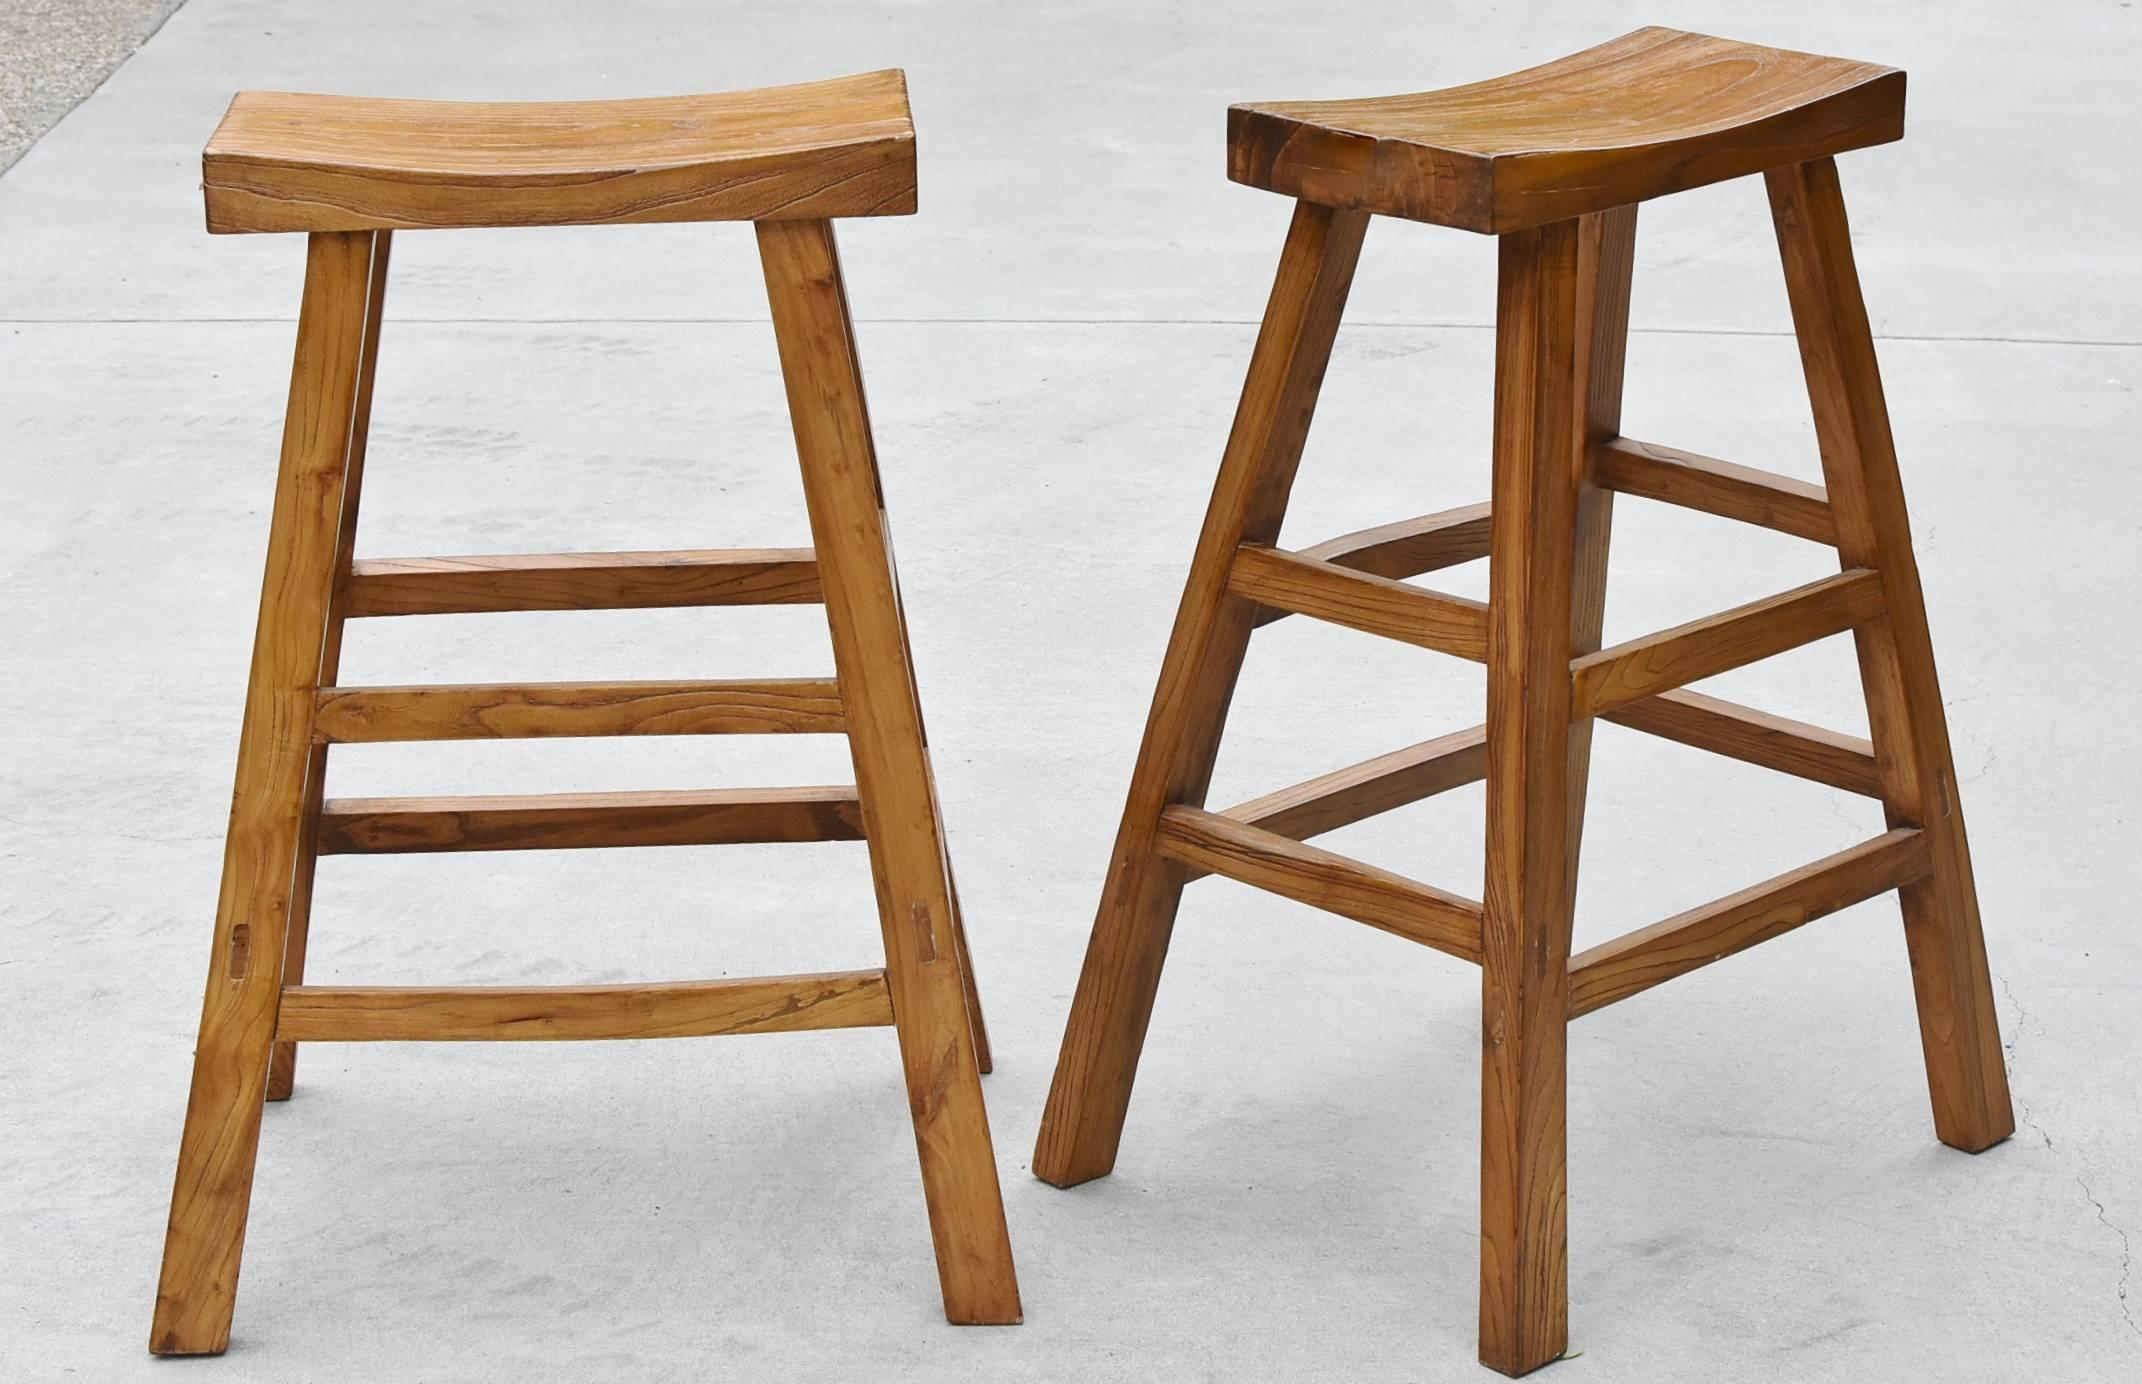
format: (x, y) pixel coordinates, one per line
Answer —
(1083, 1123)
(1958, 1027)
(1613, 270)
(984, 1059)
(1561, 320)
(923, 958)
(282, 1061)
(206, 1237)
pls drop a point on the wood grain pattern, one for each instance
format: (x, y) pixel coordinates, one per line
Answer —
(1561, 326)
(582, 581)
(1407, 548)
(1374, 786)
(1554, 160)
(984, 1059)
(1636, 961)
(670, 1009)
(280, 162)
(485, 711)
(283, 161)
(1612, 242)
(205, 1239)
(1755, 737)
(1959, 1030)
(1411, 547)
(1359, 791)
(570, 821)
(1719, 643)
(297, 936)
(1375, 605)
(1322, 879)
(924, 958)
(1716, 487)
(1652, 112)
(1090, 1093)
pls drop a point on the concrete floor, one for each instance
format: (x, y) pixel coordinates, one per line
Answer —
(1053, 348)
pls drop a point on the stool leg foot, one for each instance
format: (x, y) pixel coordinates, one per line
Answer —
(282, 1060)
(206, 1238)
(1561, 325)
(1083, 1123)
(1958, 1027)
(924, 962)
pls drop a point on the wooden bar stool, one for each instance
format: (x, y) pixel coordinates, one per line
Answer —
(1552, 161)
(349, 173)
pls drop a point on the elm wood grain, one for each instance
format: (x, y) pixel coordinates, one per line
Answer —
(1613, 281)
(282, 1057)
(1958, 1028)
(1407, 548)
(925, 961)
(509, 711)
(1653, 112)
(1561, 327)
(1375, 605)
(1755, 737)
(984, 1059)
(1719, 643)
(309, 592)
(1716, 487)
(581, 581)
(1411, 546)
(1374, 786)
(1089, 1095)
(1636, 961)
(205, 1240)
(670, 1009)
(1322, 879)
(1359, 791)
(575, 821)
(1562, 323)
(283, 161)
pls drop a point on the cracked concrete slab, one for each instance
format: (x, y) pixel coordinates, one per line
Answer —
(1053, 350)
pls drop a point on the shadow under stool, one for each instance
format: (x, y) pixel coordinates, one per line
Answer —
(1552, 161)
(350, 172)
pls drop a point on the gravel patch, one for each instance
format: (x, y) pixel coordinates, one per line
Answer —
(55, 52)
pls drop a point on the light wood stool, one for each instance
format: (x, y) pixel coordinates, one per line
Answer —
(350, 172)
(1552, 161)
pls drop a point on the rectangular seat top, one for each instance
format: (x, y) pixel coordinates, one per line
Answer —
(1653, 112)
(282, 161)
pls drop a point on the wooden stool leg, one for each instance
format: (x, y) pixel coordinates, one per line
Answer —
(230, 1068)
(984, 1060)
(1612, 272)
(282, 1061)
(1561, 323)
(1958, 1027)
(1083, 1124)
(923, 958)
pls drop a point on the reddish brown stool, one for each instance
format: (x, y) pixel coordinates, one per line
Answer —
(350, 172)
(1553, 162)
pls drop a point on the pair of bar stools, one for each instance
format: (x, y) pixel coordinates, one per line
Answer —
(1553, 162)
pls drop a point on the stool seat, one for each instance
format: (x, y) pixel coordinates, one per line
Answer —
(1652, 112)
(282, 161)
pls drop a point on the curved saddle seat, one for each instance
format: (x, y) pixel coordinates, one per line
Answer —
(1652, 112)
(287, 162)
